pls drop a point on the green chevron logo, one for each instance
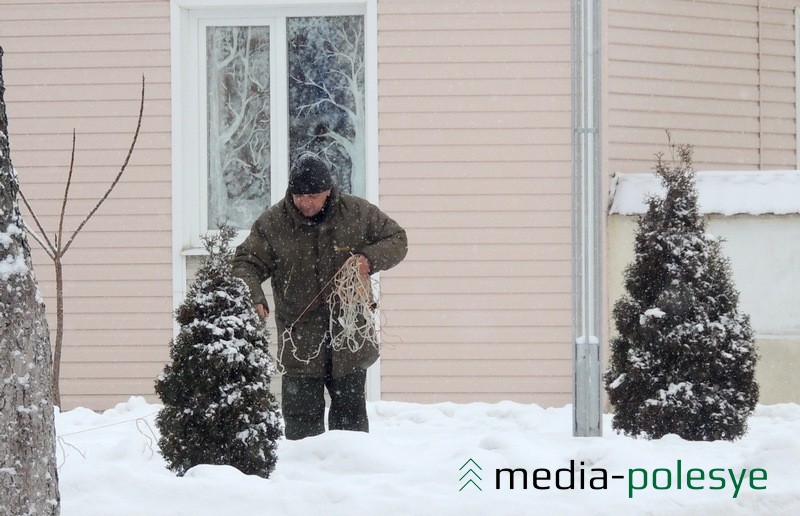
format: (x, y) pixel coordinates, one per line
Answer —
(468, 477)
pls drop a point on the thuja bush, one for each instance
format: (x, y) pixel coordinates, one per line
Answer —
(218, 408)
(684, 359)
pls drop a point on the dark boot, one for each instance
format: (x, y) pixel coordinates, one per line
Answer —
(303, 405)
(348, 402)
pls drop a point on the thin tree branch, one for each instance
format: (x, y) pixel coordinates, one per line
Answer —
(60, 234)
(49, 248)
(38, 240)
(116, 179)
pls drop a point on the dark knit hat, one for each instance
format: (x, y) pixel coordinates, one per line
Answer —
(309, 175)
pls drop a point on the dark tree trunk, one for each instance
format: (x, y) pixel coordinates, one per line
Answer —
(28, 475)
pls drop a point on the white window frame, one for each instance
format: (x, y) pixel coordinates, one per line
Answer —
(189, 192)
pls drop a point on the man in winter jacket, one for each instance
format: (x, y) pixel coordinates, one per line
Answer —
(300, 243)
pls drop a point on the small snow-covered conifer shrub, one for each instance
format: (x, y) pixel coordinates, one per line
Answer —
(684, 359)
(218, 408)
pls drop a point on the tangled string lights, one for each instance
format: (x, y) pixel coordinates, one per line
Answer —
(353, 308)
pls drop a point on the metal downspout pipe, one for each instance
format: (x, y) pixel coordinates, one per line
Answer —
(587, 218)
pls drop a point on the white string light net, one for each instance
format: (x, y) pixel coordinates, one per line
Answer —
(353, 308)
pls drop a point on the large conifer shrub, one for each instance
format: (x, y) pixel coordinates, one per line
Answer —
(218, 408)
(684, 359)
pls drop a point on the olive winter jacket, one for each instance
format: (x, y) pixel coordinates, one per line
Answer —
(301, 256)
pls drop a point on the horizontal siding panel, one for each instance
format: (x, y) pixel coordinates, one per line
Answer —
(460, 21)
(485, 153)
(126, 321)
(106, 141)
(715, 43)
(701, 10)
(118, 305)
(437, 136)
(530, 203)
(51, 205)
(777, 111)
(452, 384)
(131, 271)
(460, 368)
(474, 123)
(779, 141)
(510, 71)
(122, 124)
(99, 157)
(520, 349)
(696, 90)
(156, 353)
(473, 269)
(487, 186)
(533, 398)
(488, 219)
(704, 123)
(89, 340)
(100, 108)
(91, 59)
(99, 174)
(123, 387)
(61, 11)
(108, 74)
(467, 285)
(498, 53)
(485, 252)
(473, 337)
(493, 235)
(57, 28)
(85, 42)
(412, 170)
(482, 318)
(678, 72)
(505, 110)
(112, 287)
(783, 79)
(95, 369)
(777, 64)
(450, 37)
(91, 238)
(629, 157)
(471, 87)
(698, 138)
(502, 301)
(91, 93)
(83, 256)
(780, 128)
(689, 23)
(86, 2)
(782, 95)
(455, 6)
(122, 223)
(778, 31)
(697, 59)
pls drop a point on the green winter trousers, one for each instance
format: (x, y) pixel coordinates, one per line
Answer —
(303, 404)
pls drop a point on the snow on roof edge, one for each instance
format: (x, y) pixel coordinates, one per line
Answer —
(724, 192)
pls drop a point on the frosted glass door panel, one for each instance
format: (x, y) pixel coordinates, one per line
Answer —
(237, 66)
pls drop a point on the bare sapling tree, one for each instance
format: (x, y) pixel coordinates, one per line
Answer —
(28, 474)
(57, 247)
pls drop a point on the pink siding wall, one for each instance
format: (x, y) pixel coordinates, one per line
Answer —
(474, 119)
(719, 74)
(78, 65)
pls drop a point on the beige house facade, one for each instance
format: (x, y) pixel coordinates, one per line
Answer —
(466, 143)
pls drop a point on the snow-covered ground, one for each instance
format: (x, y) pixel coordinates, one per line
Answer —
(416, 461)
